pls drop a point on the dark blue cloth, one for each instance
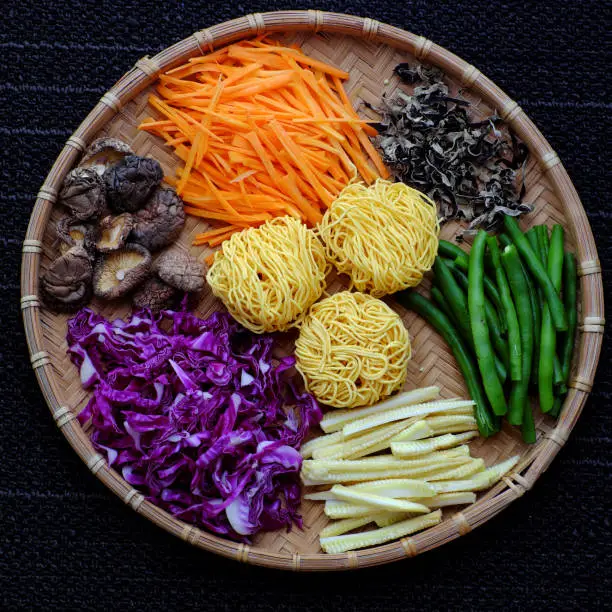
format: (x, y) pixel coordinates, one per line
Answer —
(68, 543)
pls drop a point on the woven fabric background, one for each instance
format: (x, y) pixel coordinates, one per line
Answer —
(66, 543)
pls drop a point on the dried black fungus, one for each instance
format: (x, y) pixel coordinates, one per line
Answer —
(114, 232)
(83, 193)
(160, 221)
(72, 232)
(180, 270)
(104, 152)
(468, 168)
(66, 285)
(155, 295)
(131, 181)
(119, 272)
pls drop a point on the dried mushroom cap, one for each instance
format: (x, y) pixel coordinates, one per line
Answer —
(180, 270)
(66, 286)
(118, 272)
(131, 181)
(114, 232)
(104, 152)
(73, 232)
(83, 193)
(160, 221)
(155, 295)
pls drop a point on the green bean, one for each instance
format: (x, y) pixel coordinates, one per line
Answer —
(557, 406)
(537, 301)
(442, 304)
(528, 430)
(501, 357)
(519, 403)
(569, 298)
(541, 232)
(461, 277)
(558, 380)
(504, 239)
(460, 258)
(539, 273)
(454, 295)
(480, 329)
(462, 281)
(548, 337)
(532, 236)
(452, 251)
(487, 423)
(514, 333)
(543, 242)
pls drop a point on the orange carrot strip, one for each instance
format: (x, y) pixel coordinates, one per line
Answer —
(299, 57)
(307, 211)
(333, 120)
(374, 155)
(301, 162)
(251, 89)
(203, 59)
(347, 103)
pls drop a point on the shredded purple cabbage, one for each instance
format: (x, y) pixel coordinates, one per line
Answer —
(197, 415)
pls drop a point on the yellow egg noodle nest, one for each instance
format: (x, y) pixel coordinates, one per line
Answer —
(385, 236)
(352, 350)
(268, 277)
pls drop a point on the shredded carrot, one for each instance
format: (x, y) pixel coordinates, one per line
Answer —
(263, 130)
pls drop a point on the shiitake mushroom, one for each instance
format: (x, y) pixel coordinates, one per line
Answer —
(83, 194)
(66, 285)
(180, 270)
(114, 232)
(155, 295)
(103, 153)
(130, 182)
(72, 232)
(160, 221)
(119, 272)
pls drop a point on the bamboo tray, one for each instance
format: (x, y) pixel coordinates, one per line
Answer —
(368, 50)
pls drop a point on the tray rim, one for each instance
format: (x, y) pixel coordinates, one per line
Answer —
(591, 325)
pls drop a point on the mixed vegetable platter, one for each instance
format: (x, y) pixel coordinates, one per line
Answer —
(214, 419)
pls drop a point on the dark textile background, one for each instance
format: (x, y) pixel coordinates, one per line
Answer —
(67, 543)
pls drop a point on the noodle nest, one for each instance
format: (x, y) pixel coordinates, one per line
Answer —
(267, 277)
(385, 236)
(352, 350)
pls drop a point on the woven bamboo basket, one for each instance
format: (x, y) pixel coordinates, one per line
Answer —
(368, 50)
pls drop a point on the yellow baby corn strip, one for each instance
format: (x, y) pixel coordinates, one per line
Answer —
(438, 501)
(495, 472)
(418, 472)
(364, 444)
(405, 412)
(314, 467)
(458, 473)
(422, 447)
(377, 501)
(404, 488)
(342, 526)
(480, 481)
(390, 518)
(418, 431)
(320, 442)
(335, 420)
(451, 424)
(383, 462)
(337, 509)
(464, 411)
(353, 541)
(320, 496)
